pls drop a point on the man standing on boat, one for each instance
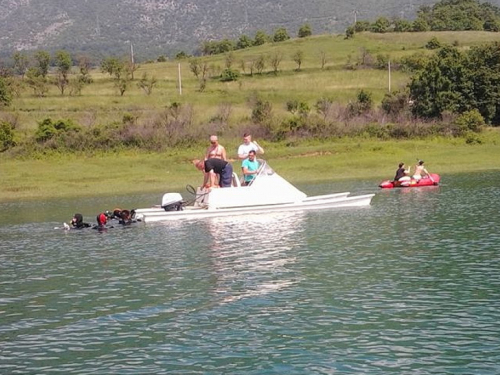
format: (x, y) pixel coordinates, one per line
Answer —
(213, 167)
(215, 150)
(247, 146)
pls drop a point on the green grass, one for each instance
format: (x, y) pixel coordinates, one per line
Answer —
(134, 171)
(100, 102)
(309, 161)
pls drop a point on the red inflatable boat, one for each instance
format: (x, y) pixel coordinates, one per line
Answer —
(431, 180)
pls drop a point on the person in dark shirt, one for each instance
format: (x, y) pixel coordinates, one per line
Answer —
(213, 167)
(402, 173)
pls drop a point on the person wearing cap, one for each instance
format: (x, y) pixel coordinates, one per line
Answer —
(215, 150)
(249, 167)
(420, 171)
(213, 167)
(248, 145)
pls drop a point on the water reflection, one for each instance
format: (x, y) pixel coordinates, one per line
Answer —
(253, 253)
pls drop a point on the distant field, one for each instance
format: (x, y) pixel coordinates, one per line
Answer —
(100, 102)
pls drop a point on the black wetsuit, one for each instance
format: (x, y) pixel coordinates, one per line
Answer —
(78, 223)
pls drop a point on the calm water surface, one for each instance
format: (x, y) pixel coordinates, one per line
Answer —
(410, 285)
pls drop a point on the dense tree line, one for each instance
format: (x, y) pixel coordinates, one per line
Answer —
(244, 41)
(446, 15)
(459, 81)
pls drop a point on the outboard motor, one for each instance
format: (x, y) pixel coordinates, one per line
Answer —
(172, 202)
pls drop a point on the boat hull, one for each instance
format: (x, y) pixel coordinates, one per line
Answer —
(425, 181)
(322, 202)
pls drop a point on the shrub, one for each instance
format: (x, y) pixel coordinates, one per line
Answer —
(434, 43)
(6, 136)
(5, 94)
(229, 75)
(261, 111)
(470, 121)
(47, 129)
(362, 105)
(395, 103)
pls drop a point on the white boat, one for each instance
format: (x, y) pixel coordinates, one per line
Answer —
(268, 192)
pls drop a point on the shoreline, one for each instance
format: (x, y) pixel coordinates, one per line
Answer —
(136, 172)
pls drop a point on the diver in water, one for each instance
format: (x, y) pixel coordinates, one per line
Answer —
(128, 217)
(102, 220)
(77, 222)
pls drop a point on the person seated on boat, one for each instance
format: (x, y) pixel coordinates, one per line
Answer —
(250, 167)
(215, 150)
(248, 145)
(420, 171)
(213, 167)
(402, 174)
(77, 222)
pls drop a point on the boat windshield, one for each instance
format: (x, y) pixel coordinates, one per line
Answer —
(264, 170)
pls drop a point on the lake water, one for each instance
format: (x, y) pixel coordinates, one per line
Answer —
(409, 285)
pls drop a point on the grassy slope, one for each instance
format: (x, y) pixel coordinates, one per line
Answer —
(100, 103)
(128, 172)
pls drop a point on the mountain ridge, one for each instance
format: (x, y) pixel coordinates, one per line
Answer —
(165, 27)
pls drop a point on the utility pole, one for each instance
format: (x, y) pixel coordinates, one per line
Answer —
(97, 28)
(355, 12)
(131, 53)
(179, 78)
(389, 68)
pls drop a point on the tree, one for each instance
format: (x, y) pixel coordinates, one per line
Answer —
(112, 66)
(304, 31)
(147, 84)
(324, 58)
(130, 68)
(349, 32)
(420, 25)
(260, 38)
(260, 64)
(275, 61)
(244, 42)
(195, 66)
(442, 85)
(6, 136)
(381, 25)
(402, 26)
(21, 63)
(229, 60)
(361, 26)
(5, 94)
(42, 59)
(35, 81)
(298, 57)
(84, 64)
(180, 56)
(280, 35)
(63, 63)
(122, 85)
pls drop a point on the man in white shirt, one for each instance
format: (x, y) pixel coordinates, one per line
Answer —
(248, 146)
